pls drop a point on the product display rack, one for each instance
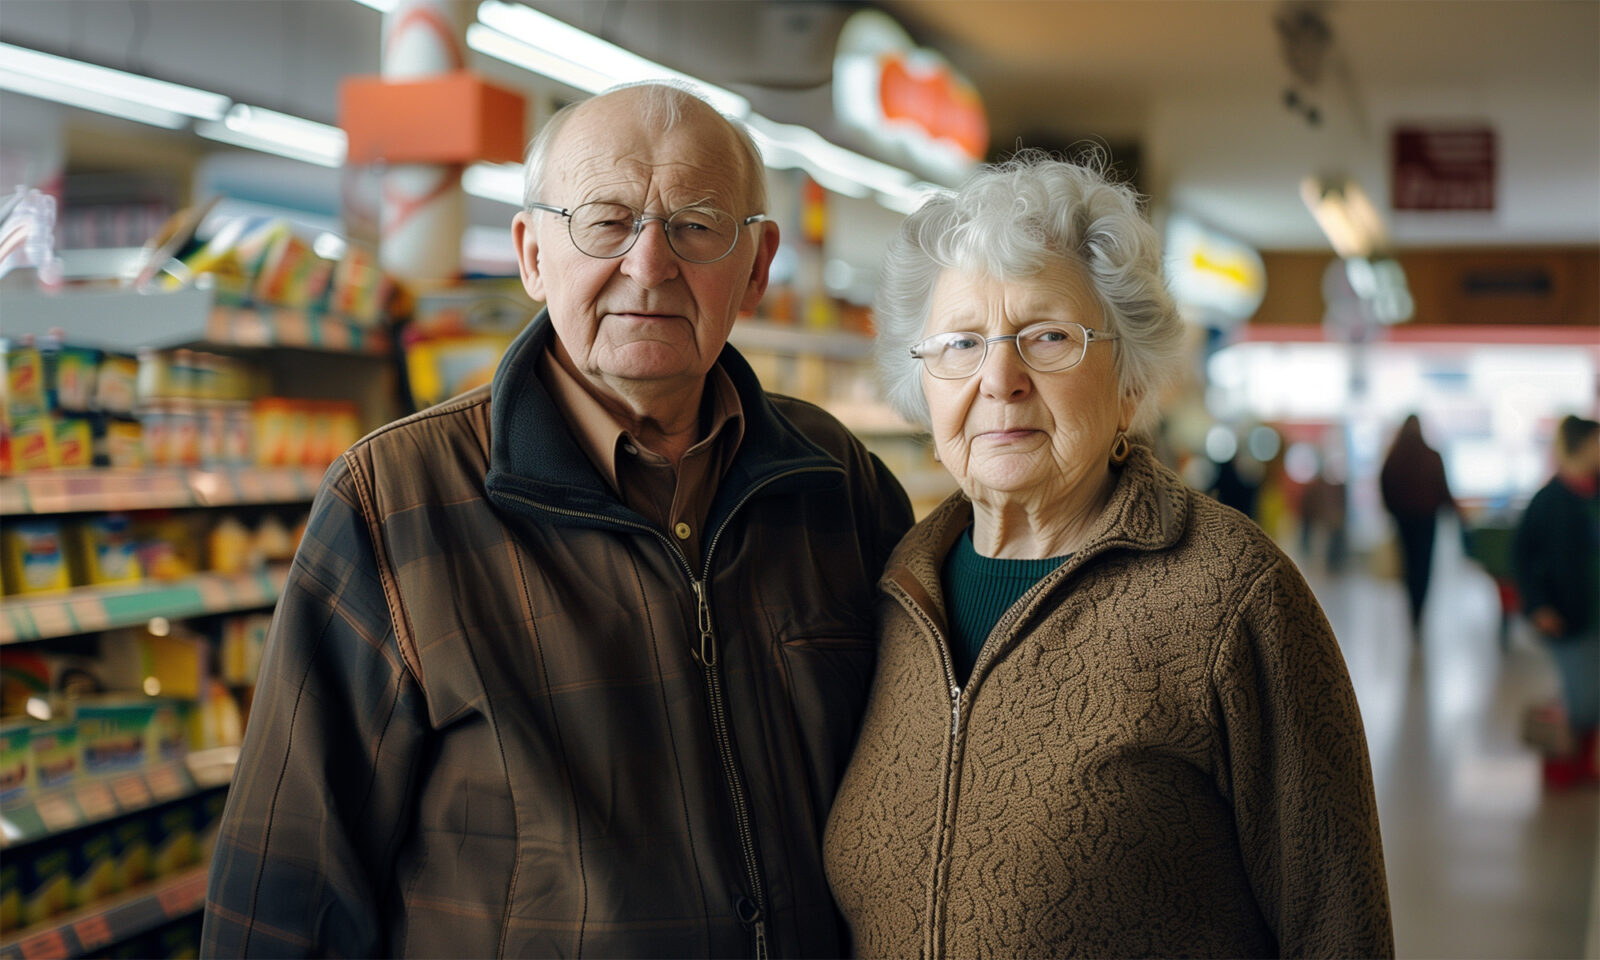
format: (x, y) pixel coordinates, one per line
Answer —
(91, 930)
(92, 609)
(88, 491)
(100, 799)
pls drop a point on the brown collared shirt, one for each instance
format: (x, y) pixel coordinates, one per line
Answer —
(676, 499)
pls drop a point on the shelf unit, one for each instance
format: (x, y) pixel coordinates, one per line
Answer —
(100, 799)
(89, 491)
(126, 321)
(99, 926)
(92, 609)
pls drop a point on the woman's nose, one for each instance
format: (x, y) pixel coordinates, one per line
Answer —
(1003, 375)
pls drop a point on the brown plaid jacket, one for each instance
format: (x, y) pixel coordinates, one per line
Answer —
(500, 714)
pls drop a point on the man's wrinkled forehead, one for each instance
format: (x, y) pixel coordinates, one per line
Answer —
(607, 152)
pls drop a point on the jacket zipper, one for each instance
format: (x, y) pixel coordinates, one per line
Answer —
(710, 661)
(954, 692)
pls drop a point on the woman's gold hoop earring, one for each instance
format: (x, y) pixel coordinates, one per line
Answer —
(1120, 450)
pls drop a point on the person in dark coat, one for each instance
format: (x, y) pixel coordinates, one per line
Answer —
(1556, 559)
(1414, 491)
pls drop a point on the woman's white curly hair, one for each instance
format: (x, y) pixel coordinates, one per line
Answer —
(1007, 221)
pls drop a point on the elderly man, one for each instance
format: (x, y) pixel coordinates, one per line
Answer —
(572, 664)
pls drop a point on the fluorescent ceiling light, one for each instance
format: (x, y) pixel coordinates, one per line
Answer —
(494, 181)
(89, 100)
(272, 132)
(1348, 219)
(113, 85)
(566, 42)
(538, 60)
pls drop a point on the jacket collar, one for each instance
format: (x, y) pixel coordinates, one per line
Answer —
(533, 456)
(1148, 510)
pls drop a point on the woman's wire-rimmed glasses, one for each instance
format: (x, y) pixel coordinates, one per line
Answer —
(606, 230)
(1048, 347)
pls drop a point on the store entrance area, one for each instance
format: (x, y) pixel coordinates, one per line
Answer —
(1483, 861)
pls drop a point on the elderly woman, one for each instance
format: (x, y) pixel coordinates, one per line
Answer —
(1109, 718)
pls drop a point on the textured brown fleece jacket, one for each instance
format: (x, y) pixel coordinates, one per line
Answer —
(1158, 754)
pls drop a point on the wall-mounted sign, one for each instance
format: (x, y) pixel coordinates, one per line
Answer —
(905, 101)
(1443, 168)
(1217, 281)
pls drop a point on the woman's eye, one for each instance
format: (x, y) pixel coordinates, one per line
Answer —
(958, 342)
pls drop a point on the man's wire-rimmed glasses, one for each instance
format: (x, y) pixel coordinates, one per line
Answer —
(606, 230)
(1047, 347)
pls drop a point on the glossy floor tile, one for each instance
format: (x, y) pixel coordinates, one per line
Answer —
(1482, 861)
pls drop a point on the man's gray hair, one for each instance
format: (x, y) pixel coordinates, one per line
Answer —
(1007, 221)
(662, 103)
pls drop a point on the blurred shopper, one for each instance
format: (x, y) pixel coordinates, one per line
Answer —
(571, 664)
(1556, 557)
(1324, 510)
(1414, 491)
(1109, 718)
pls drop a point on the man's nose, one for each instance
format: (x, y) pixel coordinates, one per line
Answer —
(651, 260)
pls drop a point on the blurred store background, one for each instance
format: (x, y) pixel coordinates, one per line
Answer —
(237, 234)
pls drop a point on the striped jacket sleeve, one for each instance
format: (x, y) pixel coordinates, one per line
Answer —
(325, 779)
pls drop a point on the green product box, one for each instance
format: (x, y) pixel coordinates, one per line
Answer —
(16, 763)
(55, 756)
(95, 874)
(120, 734)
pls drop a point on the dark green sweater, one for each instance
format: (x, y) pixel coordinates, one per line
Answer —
(979, 590)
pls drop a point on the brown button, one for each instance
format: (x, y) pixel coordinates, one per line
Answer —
(682, 530)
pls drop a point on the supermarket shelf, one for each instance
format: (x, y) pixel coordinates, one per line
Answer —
(123, 320)
(86, 491)
(88, 609)
(91, 930)
(837, 344)
(98, 800)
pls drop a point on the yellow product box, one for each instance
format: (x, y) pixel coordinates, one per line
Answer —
(10, 894)
(107, 550)
(132, 836)
(72, 443)
(243, 638)
(174, 842)
(174, 666)
(56, 760)
(16, 763)
(116, 385)
(169, 546)
(47, 888)
(76, 369)
(33, 556)
(32, 441)
(124, 443)
(95, 873)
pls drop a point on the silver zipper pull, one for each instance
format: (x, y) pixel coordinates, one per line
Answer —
(708, 642)
(761, 940)
(955, 709)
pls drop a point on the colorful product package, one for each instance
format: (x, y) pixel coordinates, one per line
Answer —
(119, 734)
(72, 442)
(174, 842)
(56, 760)
(16, 763)
(10, 894)
(108, 550)
(47, 888)
(75, 373)
(95, 875)
(132, 835)
(116, 387)
(34, 556)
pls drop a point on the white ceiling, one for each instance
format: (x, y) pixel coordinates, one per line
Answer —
(1197, 85)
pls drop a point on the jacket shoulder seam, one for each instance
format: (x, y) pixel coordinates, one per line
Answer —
(399, 617)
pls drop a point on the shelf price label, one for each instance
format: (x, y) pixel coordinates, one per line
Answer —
(92, 932)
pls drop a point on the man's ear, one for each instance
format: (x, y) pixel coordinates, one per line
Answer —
(761, 269)
(525, 235)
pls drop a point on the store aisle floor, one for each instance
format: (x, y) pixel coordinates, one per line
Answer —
(1482, 861)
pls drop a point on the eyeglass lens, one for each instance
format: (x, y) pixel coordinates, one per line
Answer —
(1046, 347)
(697, 234)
